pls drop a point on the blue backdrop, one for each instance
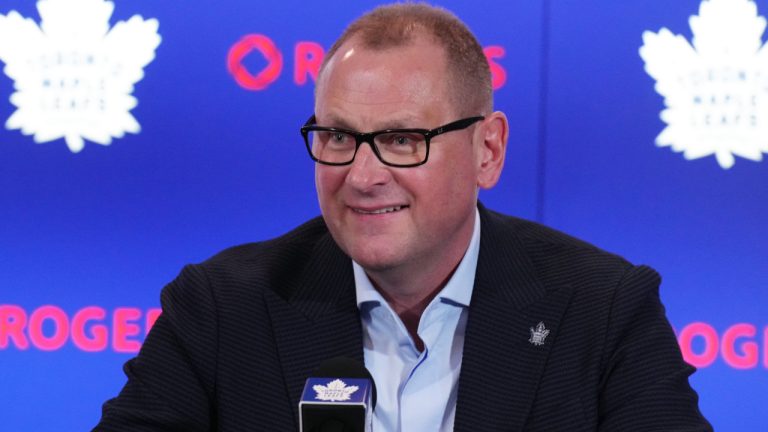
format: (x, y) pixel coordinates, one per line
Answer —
(88, 239)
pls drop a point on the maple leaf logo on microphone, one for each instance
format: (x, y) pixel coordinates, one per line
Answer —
(73, 74)
(334, 391)
(716, 91)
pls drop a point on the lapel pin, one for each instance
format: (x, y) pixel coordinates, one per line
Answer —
(538, 334)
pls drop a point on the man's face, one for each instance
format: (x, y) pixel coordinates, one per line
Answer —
(392, 219)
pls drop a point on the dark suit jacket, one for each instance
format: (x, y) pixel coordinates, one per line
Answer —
(241, 332)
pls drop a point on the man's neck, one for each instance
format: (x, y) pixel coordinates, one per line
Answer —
(409, 290)
(409, 305)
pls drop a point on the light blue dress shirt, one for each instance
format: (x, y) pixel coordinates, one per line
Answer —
(417, 390)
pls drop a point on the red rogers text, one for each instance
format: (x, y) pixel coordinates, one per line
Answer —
(93, 328)
(307, 58)
(49, 328)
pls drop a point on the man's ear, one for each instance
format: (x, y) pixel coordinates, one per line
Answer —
(491, 149)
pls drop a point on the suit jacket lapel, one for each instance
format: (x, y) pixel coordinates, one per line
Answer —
(320, 320)
(501, 365)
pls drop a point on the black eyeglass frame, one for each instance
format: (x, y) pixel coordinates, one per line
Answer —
(361, 137)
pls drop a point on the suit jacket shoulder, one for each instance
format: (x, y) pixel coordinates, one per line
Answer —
(275, 265)
(565, 336)
(239, 334)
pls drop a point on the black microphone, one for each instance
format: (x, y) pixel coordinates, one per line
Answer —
(340, 396)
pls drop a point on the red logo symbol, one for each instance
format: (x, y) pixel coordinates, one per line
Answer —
(307, 58)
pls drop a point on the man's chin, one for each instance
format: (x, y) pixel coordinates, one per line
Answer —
(376, 265)
(377, 261)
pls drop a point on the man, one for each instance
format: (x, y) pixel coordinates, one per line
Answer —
(468, 320)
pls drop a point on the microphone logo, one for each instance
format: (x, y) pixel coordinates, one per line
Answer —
(335, 391)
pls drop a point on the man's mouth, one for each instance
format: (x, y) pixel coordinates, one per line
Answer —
(380, 210)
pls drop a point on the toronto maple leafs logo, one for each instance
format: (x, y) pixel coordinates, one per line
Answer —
(73, 74)
(334, 391)
(538, 334)
(716, 91)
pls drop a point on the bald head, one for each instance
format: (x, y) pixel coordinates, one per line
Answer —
(399, 25)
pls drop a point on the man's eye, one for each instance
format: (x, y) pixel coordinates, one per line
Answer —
(397, 140)
(401, 140)
(338, 139)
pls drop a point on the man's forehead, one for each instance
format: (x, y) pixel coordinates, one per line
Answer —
(382, 104)
(365, 87)
(356, 48)
(354, 63)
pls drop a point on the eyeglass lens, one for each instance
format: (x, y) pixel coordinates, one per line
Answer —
(401, 148)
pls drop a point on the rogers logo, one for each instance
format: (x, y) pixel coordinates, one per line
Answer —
(738, 345)
(95, 329)
(307, 58)
(90, 329)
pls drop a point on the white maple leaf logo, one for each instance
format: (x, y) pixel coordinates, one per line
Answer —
(538, 334)
(716, 91)
(73, 74)
(335, 391)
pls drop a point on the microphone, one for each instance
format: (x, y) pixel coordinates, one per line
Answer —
(339, 397)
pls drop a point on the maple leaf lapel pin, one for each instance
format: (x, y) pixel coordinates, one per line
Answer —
(539, 334)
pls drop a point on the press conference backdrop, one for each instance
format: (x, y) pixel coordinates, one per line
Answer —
(139, 136)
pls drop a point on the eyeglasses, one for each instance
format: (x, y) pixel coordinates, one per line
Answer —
(394, 147)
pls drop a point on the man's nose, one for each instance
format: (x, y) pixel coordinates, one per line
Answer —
(367, 170)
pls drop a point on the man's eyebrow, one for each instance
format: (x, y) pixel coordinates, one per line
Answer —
(401, 123)
(397, 123)
(337, 122)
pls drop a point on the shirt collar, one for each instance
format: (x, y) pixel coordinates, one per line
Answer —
(458, 290)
